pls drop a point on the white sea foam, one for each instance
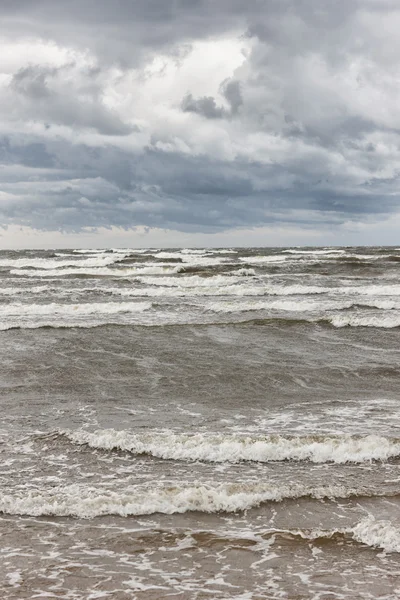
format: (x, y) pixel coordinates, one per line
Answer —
(88, 251)
(117, 271)
(64, 311)
(193, 281)
(364, 256)
(185, 292)
(206, 287)
(51, 264)
(294, 290)
(276, 305)
(193, 251)
(256, 260)
(245, 272)
(132, 250)
(203, 260)
(379, 534)
(315, 252)
(386, 321)
(236, 448)
(299, 305)
(15, 291)
(369, 531)
(86, 502)
(223, 251)
(370, 290)
(113, 250)
(14, 578)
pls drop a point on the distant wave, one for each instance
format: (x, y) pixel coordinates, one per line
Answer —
(53, 309)
(100, 271)
(390, 321)
(259, 260)
(235, 448)
(33, 316)
(15, 291)
(51, 264)
(192, 281)
(114, 316)
(384, 321)
(298, 305)
(227, 286)
(315, 252)
(237, 286)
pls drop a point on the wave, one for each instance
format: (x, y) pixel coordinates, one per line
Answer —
(208, 251)
(114, 317)
(193, 259)
(185, 292)
(59, 314)
(193, 251)
(233, 448)
(315, 252)
(111, 250)
(88, 502)
(337, 321)
(367, 290)
(369, 531)
(282, 305)
(101, 272)
(256, 260)
(192, 281)
(89, 251)
(51, 264)
(378, 534)
(298, 306)
(370, 290)
(206, 287)
(382, 321)
(39, 289)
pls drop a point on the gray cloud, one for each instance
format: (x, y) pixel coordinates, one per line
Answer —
(168, 190)
(232, 92)
(124, 30)
(207, 105)
(304, 129)
(52, 95)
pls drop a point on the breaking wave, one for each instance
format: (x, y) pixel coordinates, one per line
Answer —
(315, 252)
(369, 531)
(357, 320)
(236, 448)
(100, 271)
(88, 502)
(378, 534)
(48, 264)
(34, 316)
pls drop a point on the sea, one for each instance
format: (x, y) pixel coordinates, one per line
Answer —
(200, 424)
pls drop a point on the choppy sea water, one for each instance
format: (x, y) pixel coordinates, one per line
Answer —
(192, 424)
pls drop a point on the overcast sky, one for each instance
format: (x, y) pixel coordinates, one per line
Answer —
(199, 122)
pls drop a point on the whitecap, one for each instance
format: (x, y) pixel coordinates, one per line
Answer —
(235, 447)
(88, 502)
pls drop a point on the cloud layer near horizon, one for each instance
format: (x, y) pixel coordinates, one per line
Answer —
(199, 116)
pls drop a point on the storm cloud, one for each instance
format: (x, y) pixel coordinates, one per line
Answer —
(199, 116)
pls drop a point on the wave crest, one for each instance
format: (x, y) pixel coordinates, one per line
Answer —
(84, 502)
(236, 448)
